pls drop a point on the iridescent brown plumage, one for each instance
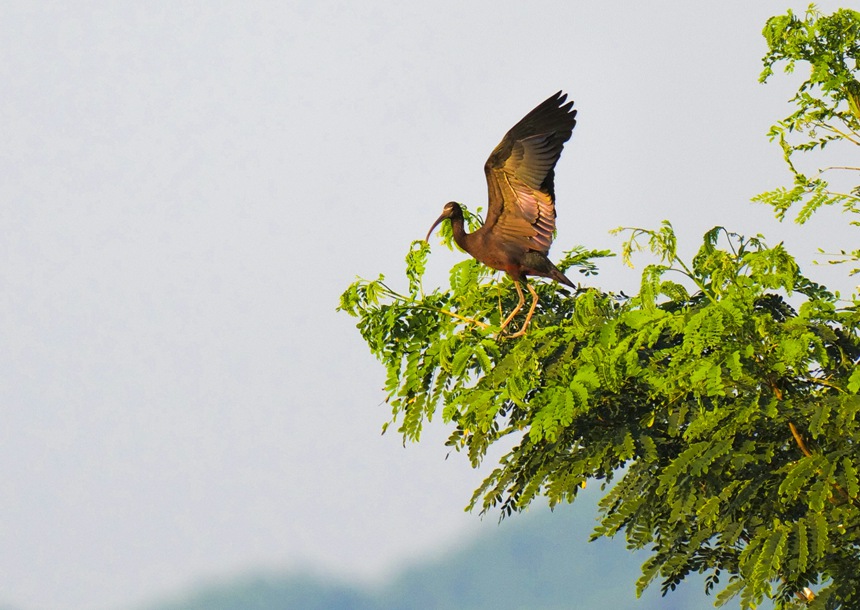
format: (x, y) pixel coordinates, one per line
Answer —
(518, 231)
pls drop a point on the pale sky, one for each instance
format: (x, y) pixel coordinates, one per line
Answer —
(187, 188)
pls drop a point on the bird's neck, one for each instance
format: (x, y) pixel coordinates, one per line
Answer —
(460, 236)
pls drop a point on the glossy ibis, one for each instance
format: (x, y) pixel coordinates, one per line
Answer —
(520, 223)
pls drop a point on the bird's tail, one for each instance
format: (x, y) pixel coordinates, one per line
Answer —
(561, 278)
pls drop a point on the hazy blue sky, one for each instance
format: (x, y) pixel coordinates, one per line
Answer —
(187, 188)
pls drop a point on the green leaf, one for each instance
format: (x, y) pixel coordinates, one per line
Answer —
(854, 381)
(849, 475)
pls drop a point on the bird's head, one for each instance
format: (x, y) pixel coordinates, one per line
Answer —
(452, 210)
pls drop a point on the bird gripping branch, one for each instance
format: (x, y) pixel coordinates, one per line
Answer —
(518, 231)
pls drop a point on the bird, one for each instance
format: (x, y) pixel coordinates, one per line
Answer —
(520, 224)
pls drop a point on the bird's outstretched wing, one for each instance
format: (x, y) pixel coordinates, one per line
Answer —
(520, 174)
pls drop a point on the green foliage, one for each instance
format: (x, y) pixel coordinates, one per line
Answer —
(435, 350)
(717, 407)
(684, 396)
(827, 105)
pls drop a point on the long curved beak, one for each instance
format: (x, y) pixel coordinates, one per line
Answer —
(436, 224)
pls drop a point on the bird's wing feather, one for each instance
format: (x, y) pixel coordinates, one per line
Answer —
(520, 174)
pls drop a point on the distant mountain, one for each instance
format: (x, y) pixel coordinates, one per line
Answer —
(536, 562)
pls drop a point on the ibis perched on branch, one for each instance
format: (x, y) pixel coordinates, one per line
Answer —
(520, 223)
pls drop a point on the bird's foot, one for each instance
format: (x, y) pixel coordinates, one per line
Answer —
(503, 334)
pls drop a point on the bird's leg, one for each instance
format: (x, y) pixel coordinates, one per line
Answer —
(516, 309)
(522, 330)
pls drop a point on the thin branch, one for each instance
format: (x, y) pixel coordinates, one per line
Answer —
(848, 167)
(799, 440)
(463, 318)
(448, 313)
(394, 294)
(840, 133)
(846, 195)
(824, 382)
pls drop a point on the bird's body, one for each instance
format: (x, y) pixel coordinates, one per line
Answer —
(499, 254)
(518, 231)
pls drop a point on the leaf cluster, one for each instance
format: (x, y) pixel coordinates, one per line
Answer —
(827, 104)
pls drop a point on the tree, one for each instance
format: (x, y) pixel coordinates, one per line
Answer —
(827, 104)
(718, 407)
